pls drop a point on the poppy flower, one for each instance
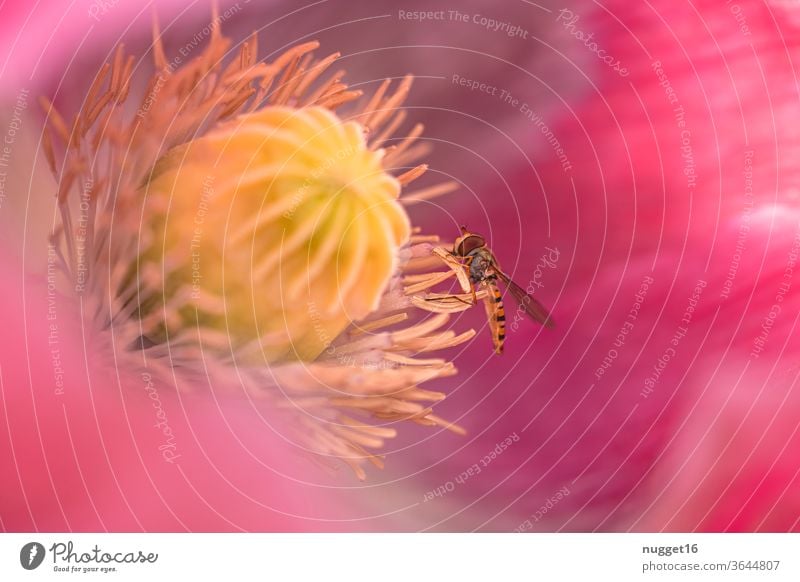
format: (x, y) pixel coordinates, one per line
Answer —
(631, 168)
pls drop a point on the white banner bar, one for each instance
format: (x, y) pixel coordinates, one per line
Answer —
(400, 557)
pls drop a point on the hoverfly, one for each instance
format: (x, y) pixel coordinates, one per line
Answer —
(483, 270)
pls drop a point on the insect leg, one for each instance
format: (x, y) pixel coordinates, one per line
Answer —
(448, 297)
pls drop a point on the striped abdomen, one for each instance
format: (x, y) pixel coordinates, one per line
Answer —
(498, 318)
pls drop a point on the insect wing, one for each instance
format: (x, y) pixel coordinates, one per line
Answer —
(529, 305)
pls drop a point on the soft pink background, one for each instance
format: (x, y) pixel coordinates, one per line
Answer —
(712, 448)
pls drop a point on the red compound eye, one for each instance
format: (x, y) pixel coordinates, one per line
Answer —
(468, 243)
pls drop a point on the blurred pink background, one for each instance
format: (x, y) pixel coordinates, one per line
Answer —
(666, 397)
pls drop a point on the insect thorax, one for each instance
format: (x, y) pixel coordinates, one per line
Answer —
(480, 265)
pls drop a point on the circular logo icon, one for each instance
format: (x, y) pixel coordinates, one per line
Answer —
(31, 555)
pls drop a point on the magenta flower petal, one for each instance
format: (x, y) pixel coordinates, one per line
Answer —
(633, 166)
(91, 448)
(658, 416)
